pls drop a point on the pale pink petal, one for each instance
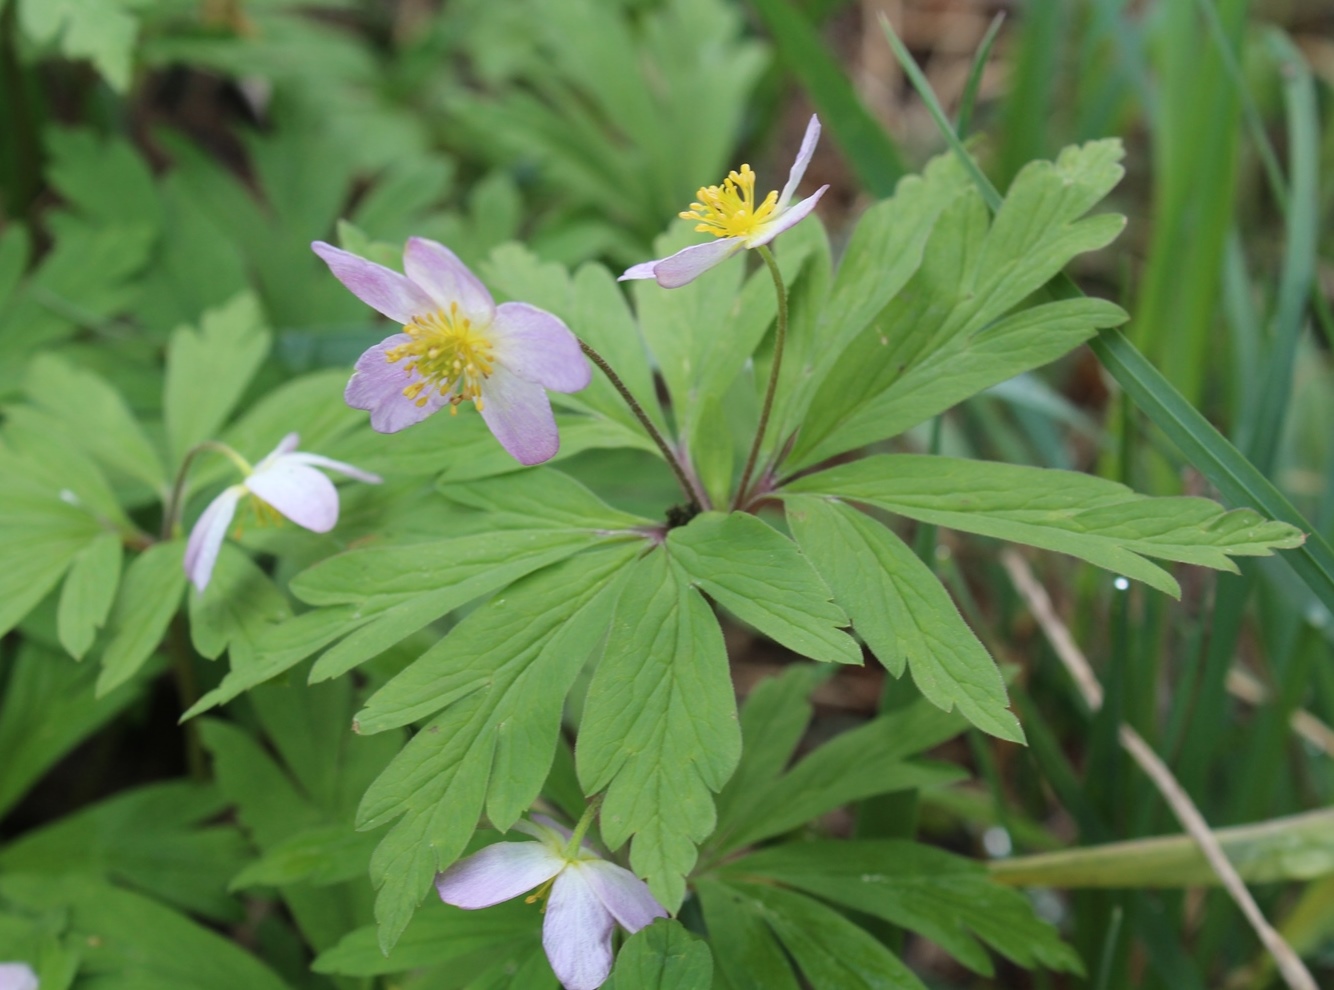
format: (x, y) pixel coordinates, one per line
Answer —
(519, 414)
(378, 384)
(547, 829)
(642, 270)
(538, 347)
(286, 445)
(17, 976)
(576, 933)
(299, 492)
(791, 218)
(689, 263)
(329, 464)
(380, 288)
(798, 171)
(201, 551)
(497, 873)
(622, 893)
(438, 270)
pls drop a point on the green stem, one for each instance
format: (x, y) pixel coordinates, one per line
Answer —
(780, 339)
(187, 692)
(171, 517)
(687, 486)
(580, 830)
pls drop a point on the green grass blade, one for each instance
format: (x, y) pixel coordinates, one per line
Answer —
(869, 150)
(980, 59)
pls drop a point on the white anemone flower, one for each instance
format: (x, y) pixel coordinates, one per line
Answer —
(17, 976)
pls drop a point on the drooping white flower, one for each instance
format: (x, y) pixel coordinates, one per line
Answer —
(17, 976)
(729, 212)
(586, 897)
(286, 481)
(458, 346)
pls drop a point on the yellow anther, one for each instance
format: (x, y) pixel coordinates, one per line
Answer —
(448, 353)
(729, 210)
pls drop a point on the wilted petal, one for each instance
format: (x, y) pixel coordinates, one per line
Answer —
(798, 171)
(299, 492)
(438, 270)
(789, 219)
(329, 464)
(377, 385)
(378, 287)
(497, 873)
(689, 263)
(17, 976)
(201, 551)
(519, 414)
(622, 893)
(538, 347)
(577, 933)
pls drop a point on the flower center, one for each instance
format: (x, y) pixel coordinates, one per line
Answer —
(729, 210)
(449, 354)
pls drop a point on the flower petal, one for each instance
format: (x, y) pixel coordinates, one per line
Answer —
(576, 933)
(438, 270)
(497, 873)
(622, 893)
(377, 385)
(17, 976)
(642, 270)
(379, 287)
(689, 263)
(791, 218)
(329, 464)
(538, 347)
(201, 551)
(548, 830)
(520, 416)
(299, 492)
(798, 170)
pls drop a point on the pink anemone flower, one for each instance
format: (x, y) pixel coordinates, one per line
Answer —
(587, 897)
(730, 214)
(458, 346)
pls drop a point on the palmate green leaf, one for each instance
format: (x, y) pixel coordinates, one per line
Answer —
(102, 31)
(153, 838)
(759, 575)
(946, 334)
(831, 952)
(1097, 520)
(874, 758)
(663, 956)
(543, 497)
(88, 593)
(750, 956)
(946, 898)
(903, 612)
(223, 353)
(501, 677)
(140, 944)
(463, 946)
(149, 595)
(318, 856)
(47, 707)
(238, 605)
(659, 729)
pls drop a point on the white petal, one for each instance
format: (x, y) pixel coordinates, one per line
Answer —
(299, 492)
(497, 873)
(798, 170)
(642, 270)
(539, 347)
(201, 551)
(329, 464)
(689, 263)
(17, 976)
(439, 271)
(622, 893)
(577, 933)
(786, 220)
(377, 286)
(519, 414)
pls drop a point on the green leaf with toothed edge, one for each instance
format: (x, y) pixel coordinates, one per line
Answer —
(903, 612)
(149, 596)
(659, 730)
(88, 593)
(663, 956)
(760, 576)
(538, 497)
(497, 684)
(1099, 521)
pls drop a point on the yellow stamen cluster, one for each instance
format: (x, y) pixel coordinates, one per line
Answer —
(449, 354)
(729, 210)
